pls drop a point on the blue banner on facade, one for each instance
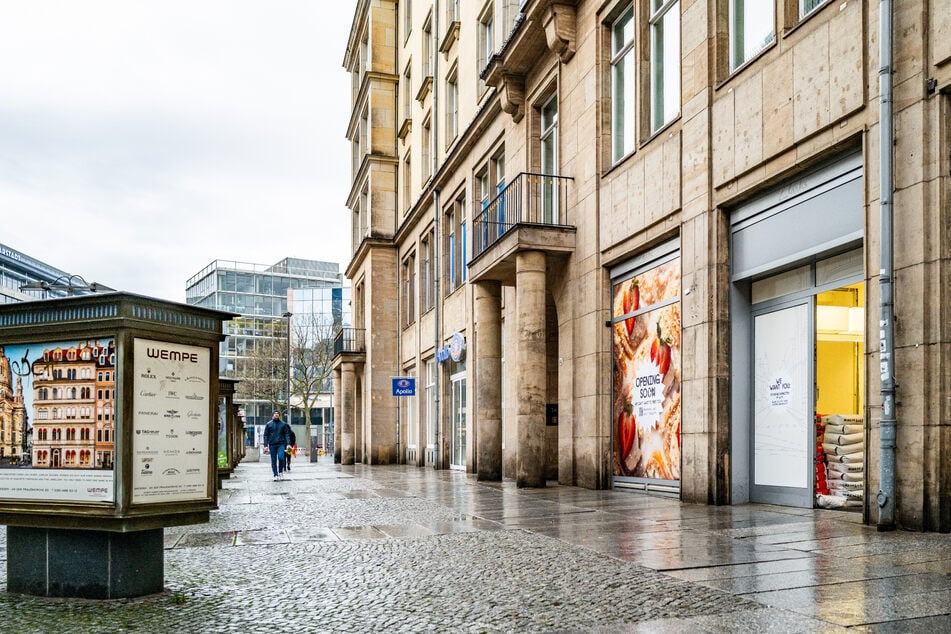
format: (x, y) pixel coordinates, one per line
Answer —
(404, 386)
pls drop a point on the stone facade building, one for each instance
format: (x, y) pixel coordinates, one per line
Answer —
(639, 244)
(13, 419)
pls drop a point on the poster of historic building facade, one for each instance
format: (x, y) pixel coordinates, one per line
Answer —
(58, 420)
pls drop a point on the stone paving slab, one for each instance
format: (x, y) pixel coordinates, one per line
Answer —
(398, 549)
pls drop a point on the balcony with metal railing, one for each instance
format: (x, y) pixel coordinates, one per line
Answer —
(529, 214)
(350, 341)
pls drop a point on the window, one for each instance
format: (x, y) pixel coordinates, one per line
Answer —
(622, 85)
(408, 296)
(407, 17)
(452, 106)
(456, 272)
(408, 91)
(808, 6)
(665, 62)
(751, 29)
(431, 403)
(549, 160)
(407, 182)
(428, 47)
(486, 37)
(426, 148)
(410, 414)
(450, 251)
(426, 290)
(452, 11)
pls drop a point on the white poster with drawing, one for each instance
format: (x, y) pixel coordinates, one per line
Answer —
(170, 422)
(781, 398)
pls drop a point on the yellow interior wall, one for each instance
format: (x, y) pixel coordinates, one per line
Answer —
(840, 372)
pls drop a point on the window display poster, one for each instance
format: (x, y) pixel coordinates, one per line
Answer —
(646, 412)
(222, 440)
(782, 413)
(170, 422)
(57, 421)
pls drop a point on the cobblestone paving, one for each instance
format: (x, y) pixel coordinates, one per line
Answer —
(447, 573)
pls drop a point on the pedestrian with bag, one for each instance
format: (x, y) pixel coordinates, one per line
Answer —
(277, 435)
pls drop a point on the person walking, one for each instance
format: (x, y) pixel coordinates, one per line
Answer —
(277, 435)
(291, 449)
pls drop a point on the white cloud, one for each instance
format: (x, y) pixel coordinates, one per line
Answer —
(142, 140)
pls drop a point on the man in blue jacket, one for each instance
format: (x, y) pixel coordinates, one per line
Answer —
(277, 435)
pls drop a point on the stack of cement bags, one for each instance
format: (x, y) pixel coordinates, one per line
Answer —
(843, 442)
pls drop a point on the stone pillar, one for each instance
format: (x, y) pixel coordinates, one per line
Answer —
(338, 418)
(347, 412)
(530, 368)
(488, 406)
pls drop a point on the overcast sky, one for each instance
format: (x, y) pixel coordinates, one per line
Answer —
(142, 139)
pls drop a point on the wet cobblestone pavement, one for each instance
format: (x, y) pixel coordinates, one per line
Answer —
(400, 549)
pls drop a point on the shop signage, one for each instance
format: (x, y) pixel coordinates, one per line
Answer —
(455, 349)
(404, 386)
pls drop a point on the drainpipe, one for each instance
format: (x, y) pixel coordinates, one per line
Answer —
(436, 340)
(436, 298)
(889, 422)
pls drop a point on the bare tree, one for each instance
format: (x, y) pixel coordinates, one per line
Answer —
(312, 359)
(264, 375)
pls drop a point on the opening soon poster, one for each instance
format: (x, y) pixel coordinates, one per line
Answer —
(58, 421)
(647, 368)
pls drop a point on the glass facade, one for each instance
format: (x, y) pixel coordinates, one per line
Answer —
(261, 294)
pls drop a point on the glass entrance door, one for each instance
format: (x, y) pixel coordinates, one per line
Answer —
(783, 395)
(457, 449)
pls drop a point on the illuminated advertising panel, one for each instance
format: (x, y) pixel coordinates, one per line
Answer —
(646, 358)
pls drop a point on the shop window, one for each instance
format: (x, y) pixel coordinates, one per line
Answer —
(409, 407)
(431, 403)
(751, 29)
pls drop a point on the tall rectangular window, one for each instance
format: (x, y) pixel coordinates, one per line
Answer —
(408, 295)
(622, 85)
(407, 182)
(549, 161)
(426, 273)
(407, 105)
(452, 106)
(427, 51)
(665, 62)
(486, 36)
(450, 251)
(410, 413)
(425, 148)
(407, 17)
(431, 403)
(461, 268)
(751, 29)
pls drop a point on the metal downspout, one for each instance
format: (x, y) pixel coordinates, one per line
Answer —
(889, 422)
(436, 243)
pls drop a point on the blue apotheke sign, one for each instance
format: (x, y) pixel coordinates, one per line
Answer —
(404, 386)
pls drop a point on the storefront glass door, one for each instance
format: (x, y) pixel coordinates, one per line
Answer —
(782, 435)
(457, 450)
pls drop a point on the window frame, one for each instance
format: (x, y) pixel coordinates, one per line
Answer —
(660, 10)
(735, 43)
(623, 59)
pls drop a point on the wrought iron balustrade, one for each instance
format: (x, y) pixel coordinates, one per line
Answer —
(351, 340)
(535, 199)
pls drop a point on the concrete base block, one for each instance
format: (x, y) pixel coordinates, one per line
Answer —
(85, 564)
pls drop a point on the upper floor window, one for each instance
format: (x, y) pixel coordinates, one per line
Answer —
(425, 147)
(751, 29)
(452, 106)
(808, 6)
(426, 294)
(407, 182)
(486, 36)
(407, 91)
(408, 296)
(622, 85)
(407, 17)
(427, 51)
(452, 11)
(665, 62)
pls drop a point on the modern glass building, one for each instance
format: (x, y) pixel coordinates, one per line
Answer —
(261, 294)
(18, 269)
